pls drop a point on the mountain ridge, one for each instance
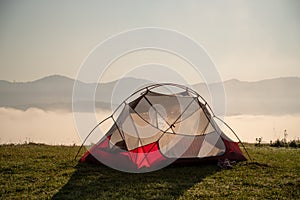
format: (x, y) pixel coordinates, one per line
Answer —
(271, 96)
(58, 76)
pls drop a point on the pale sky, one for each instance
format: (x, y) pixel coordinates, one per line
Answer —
(248, 40)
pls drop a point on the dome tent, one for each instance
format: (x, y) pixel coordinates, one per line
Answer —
(154, 129)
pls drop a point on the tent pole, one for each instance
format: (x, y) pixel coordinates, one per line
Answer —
(90, 134)
(235, 136)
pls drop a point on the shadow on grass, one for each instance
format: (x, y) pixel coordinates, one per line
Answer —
(100, 182)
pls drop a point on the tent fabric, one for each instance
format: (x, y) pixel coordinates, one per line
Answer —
(145, 156)
(157, 127)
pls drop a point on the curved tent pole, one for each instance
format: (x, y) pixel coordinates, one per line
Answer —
(234, 134)
(111, 116)
(90, 134)
(214, 116)
(147, 88)
(153, 86)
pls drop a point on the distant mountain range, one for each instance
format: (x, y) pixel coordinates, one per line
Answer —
(266, 97)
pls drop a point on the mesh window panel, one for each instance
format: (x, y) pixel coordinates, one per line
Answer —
(116, 139)
(219, 148)
(194, 125)
(209, 129)
(172, 106)
(142, 106)
(136, 131)
(149, 114)
(191, 108)
(147, 132)
(127, 127)
(194, 148)
(212, 146)
(179, 146)
(144, 128)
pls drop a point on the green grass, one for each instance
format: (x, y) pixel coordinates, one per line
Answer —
(45, 172)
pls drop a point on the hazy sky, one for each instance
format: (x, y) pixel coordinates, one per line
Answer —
(248, 40)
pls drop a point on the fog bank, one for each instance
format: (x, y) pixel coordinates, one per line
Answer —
(58, 127)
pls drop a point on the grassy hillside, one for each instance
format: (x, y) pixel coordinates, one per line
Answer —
(45, 172)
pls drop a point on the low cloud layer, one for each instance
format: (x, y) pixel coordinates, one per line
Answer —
(58, 127)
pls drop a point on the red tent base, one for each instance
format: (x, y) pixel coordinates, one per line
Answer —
(149, 156)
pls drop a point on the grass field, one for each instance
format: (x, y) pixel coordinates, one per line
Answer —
(45, 172)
